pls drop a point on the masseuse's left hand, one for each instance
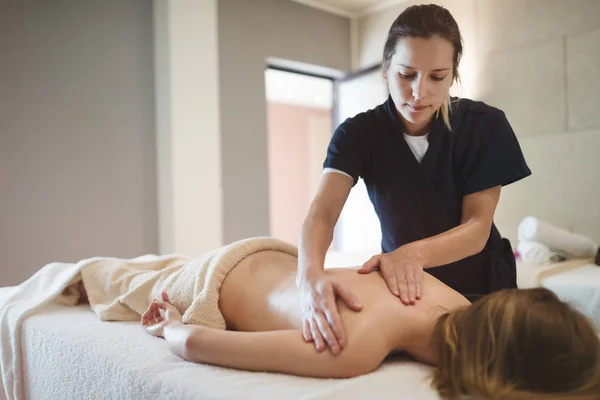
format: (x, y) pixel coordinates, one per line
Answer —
(402, 270)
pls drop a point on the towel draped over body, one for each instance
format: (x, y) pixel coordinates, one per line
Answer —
(121, 289)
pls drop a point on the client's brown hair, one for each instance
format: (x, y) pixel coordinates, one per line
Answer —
(517, 344)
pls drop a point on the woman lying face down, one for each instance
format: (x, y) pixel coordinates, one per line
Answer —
(513, 344)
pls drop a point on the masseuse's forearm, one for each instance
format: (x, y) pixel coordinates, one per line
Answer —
(315, 239)
(455, 244)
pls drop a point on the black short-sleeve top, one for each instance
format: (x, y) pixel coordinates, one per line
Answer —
(418, 200)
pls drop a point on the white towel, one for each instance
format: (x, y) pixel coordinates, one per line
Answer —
(556, 239)
(534, 252)
(44, 286)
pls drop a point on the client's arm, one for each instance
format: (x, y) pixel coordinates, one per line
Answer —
(273, 351)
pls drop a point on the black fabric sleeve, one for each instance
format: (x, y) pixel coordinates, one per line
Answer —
(495, 158)
(345, 151)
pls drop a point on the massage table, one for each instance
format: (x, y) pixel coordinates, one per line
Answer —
(68, 353)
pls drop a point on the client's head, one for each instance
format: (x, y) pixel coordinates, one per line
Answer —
(517, 344)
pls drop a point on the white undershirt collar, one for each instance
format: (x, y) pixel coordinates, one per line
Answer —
(418, 145)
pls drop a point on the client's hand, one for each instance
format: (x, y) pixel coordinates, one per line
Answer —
(160, 314)
(321, 321)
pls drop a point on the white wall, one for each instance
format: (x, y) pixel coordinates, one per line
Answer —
(188, 127)
(211, 110)
(539, 61)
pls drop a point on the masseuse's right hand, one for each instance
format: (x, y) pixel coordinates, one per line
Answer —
(321, 321)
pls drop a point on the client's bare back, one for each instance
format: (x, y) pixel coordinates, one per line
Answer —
(260, 295)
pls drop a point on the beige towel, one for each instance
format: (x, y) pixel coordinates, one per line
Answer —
(120, 290)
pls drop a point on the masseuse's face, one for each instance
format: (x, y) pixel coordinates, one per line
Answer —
(419, 77)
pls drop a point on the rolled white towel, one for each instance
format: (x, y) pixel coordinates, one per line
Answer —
(556, 239)
(533, 252)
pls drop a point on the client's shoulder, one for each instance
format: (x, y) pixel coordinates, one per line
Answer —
(442, 294)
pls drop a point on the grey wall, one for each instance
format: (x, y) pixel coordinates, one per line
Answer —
(77, 142)
(544, 72)
(249, 32)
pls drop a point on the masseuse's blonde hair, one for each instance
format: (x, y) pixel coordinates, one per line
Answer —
(425, 21)
(517, 345)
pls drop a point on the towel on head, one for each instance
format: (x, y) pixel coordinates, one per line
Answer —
(556, 239)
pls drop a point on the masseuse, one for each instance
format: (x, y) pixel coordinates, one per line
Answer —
(433, 167)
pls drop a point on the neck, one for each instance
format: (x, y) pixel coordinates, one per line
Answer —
(416, 129)
(423, 344)
(425, 349)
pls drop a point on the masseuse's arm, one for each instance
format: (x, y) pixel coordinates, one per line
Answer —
(317, 229)
(318, 291)
(403, 268)
(273, 351)
(466, 239)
